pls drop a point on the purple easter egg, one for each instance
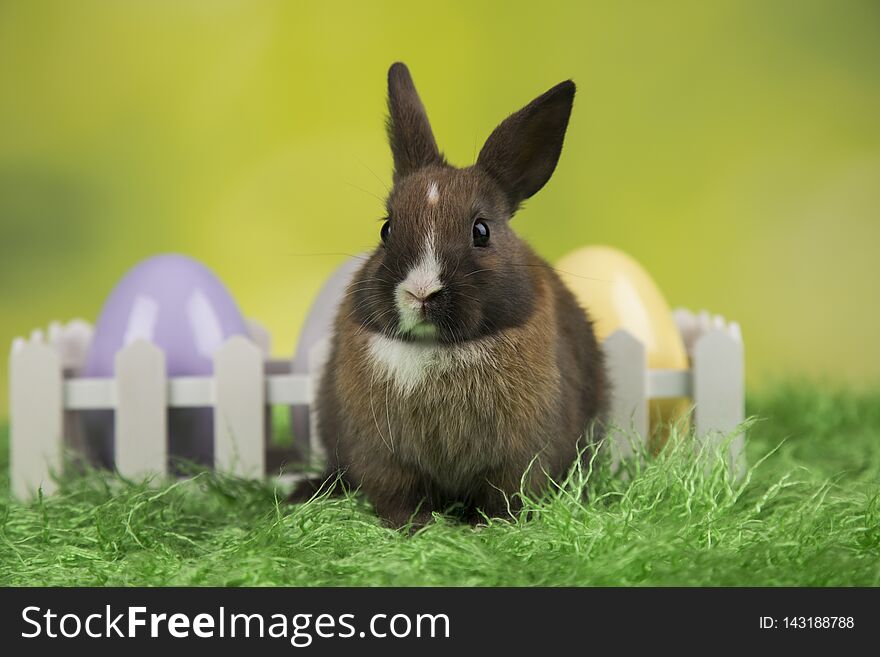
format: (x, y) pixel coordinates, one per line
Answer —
(176, 303)
(179, 305)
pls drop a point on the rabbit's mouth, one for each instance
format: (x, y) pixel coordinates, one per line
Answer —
(425, 331)
(414, 314)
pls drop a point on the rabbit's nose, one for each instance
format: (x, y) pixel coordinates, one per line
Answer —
(422, 296)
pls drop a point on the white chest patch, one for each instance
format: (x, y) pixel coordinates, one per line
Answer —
(408, 364)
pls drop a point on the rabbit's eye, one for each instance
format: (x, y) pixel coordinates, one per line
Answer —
(481, 233)
(386, 231)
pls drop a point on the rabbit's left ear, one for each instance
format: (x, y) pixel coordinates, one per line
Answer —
(522, 152)
(409, 132)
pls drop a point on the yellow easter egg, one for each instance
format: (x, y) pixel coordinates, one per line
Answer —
(618, 293)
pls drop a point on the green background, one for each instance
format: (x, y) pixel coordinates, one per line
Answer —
(732, 147)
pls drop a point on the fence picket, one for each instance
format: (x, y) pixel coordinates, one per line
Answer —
(35, 402)
(141, 418)
(719, 393)
(239, 409)
(627, 366)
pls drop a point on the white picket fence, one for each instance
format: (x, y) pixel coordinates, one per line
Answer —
(45, 394)
(715, 382)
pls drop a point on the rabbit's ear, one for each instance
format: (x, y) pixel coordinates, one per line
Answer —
(522, 152)
(412, 142)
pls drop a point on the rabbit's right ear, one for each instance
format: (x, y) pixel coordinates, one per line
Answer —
(409, 133)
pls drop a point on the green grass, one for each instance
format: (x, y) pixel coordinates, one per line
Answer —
(809, 514)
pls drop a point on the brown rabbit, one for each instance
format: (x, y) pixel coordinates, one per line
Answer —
(459, 357)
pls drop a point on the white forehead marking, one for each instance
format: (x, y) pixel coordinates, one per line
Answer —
(433, 193)
(408, 364)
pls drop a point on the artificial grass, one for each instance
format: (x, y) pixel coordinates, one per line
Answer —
(808, 514)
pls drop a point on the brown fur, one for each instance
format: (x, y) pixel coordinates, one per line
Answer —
(513, 378)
